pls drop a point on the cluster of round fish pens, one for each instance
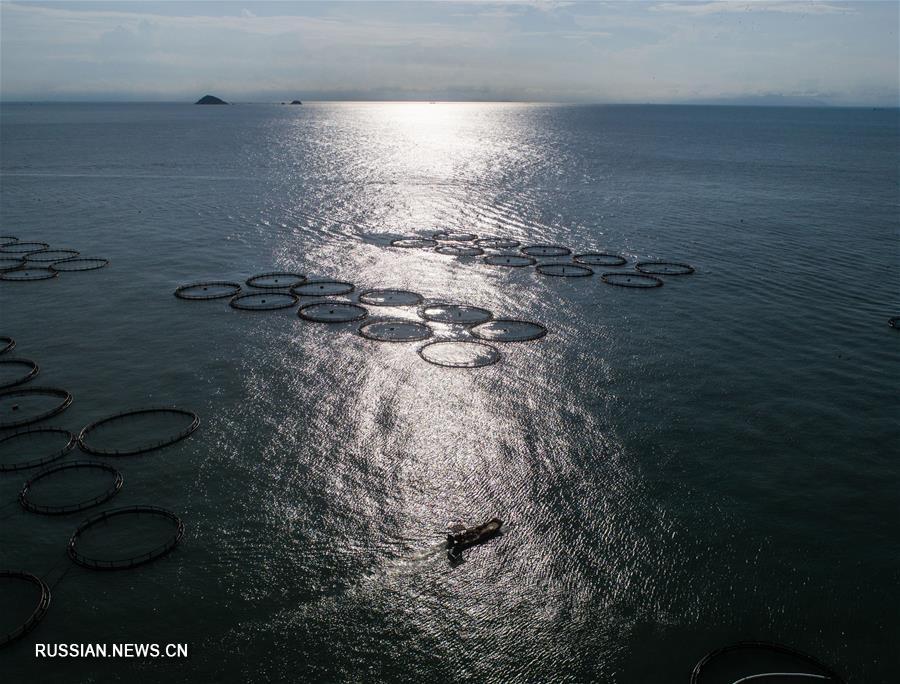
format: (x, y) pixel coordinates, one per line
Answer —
(508, 253)
(469, 333)
(27, 261)
(47, 448)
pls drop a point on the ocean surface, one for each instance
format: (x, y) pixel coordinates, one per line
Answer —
(678, 468)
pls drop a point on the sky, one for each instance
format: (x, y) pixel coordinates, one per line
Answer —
(792, 51)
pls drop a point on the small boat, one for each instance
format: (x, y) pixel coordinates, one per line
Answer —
(460, 537)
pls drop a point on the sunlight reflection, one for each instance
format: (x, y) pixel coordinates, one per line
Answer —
(389, 448)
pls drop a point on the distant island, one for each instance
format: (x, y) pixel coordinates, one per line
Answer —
(210, 99)
(296, 102)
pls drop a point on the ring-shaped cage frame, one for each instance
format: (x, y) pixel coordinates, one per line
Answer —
(11, 263)
(7, 344)
(539, 330)
(370, 297)
(39, 611)
(326, 288)
(600, 259)
(28, 275)
(40, 256)
(64, 397)
(560, 270)
(242, 301)
(296, 279)
(414, 243)
(78, 264)
(772, 646)
(354, 312)
(642, 281)
(132, 561)
(183, 292)
(143, 449)
(8, 240)
(453, 236)
(102, 498)
(497, 243)
(510, 260)
(661, 268)
(492, 358)
(32, 367)
(459, 250)
(545, 250)
(424, 332)
(28, 247)
(483, 317)
(71, 441)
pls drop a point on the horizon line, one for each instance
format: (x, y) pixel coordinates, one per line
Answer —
(726, 102)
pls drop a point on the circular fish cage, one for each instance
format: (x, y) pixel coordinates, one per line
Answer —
(509, 260)
(391, 330)
(452, 236)
(37, 614)
(414, 243)
(893, 322)
(63, 509)
(600, 259)
(459, 250)
(16, 443)
(51, 255)
(207, 290)
(35, 399)
(390, 298)
(670, 268)
(26, 274)
(332, 312)
(322, 288)
(131, 561)
(636, 280)
(7, 240)
(545, 250)
(131, 449)
(11, 263)
(7, 344)
(278, 280)
(263, 301)
(748, 661)
(23, 247)
(28, 369)
(79, 264)
(460, 354)
(497, 243)
(508, 330)
(455, 313)
(564, 270)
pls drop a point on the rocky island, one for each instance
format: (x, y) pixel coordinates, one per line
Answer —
(210, 100)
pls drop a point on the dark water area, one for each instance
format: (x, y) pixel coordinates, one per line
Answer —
(679, 468)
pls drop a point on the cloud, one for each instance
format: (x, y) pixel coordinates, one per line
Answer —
(730, 6)
(593, 52)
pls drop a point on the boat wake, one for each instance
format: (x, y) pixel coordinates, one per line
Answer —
(409, 562)
(398, 568)
(416, 560)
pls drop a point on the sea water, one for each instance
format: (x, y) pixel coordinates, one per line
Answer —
(679, 468)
